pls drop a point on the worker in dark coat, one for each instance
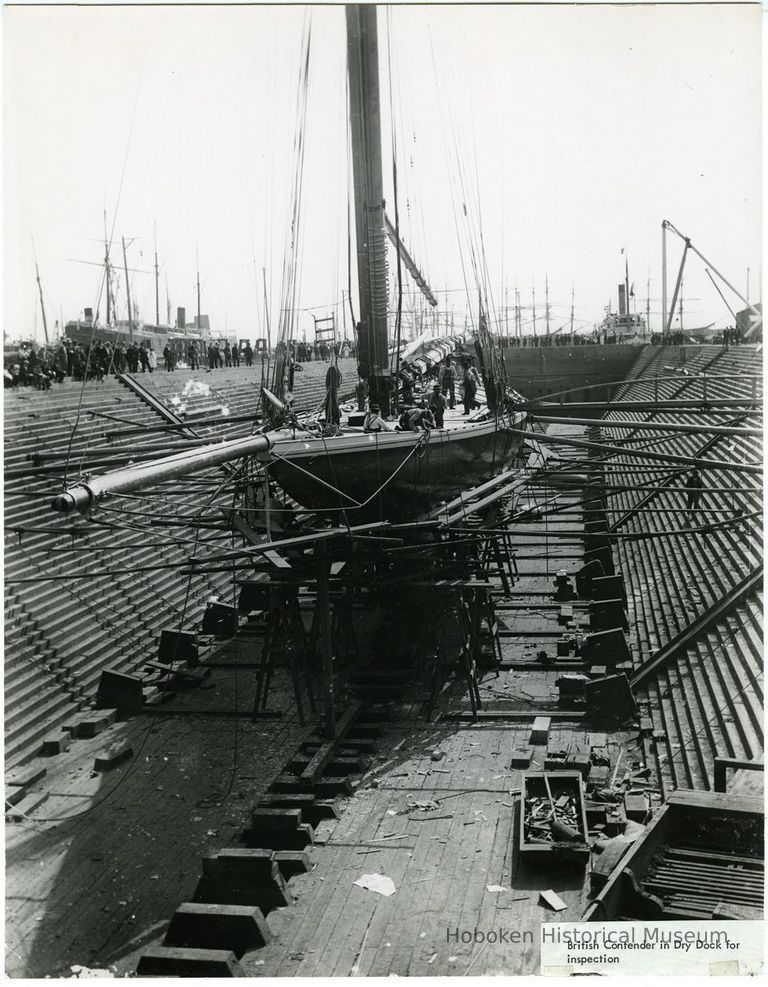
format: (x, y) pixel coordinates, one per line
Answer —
(448, 380)
(694, 485)
(332, 385)
(437, 405)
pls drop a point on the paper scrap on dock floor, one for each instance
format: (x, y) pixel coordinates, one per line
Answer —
(378, 883)
(494, 888)
(553, 900)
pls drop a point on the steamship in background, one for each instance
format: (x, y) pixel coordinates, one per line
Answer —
(86, 330)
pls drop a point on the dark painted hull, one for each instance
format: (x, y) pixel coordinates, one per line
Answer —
(424, 470)
(538, 371)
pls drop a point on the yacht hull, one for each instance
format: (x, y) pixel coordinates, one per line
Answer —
(395, 476)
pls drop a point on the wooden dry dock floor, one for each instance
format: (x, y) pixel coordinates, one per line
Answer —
(92, 889)
(443, 831)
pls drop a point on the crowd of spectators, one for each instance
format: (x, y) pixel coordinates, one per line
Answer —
(322, 350)
(554, 339)
(41, 366)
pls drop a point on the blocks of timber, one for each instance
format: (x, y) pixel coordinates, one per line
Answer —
(608, 647)
(120, 691)
(313, 810)
(291, 863)
(606, 614)
(25, 776)
(636, 807)
(540, 731)
(585, 578)
(90, 724)
(563, 589)
(113, 757)
(242, 876)
(278, 829)
(178, 645)
(612, 697)
(601, 554)
(564, 646)
(338, 766)
(609, 588)
(521, 758)
(56, 743)
(322, 788)
(168, 961)
(229, 927)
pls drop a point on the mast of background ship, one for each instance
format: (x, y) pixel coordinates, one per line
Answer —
(157, 284)
(42, 303)
(128, 292)
(370, 228)
(197, 267)
(106, 272)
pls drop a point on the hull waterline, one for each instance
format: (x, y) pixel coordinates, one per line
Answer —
(395, 476)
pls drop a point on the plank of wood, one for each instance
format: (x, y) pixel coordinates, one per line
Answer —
(319, 760)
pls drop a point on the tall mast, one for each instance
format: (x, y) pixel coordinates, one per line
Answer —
(197, 266)
(573, 293)
(534, 309)
(42, 303)
(648, 306)
(546, 300)
(626, 289)
(157, 284)
(107, 272)
(127, 292)
(370, 227)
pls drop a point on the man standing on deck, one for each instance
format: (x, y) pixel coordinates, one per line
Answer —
(332, 384)
(694, 485)
(437, 405)
(449, 382)
(469, 382)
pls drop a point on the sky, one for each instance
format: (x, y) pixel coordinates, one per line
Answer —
(566, 132)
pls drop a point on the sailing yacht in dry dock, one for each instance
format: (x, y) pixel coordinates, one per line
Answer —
(398, 474)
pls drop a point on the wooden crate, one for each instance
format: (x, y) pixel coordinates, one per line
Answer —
(561, 783)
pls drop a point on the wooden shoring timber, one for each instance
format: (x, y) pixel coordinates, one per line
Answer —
(603, 407)
(749, 584)
(461, 500)
(638, 453)
(300, 541)
(663, 485)
(176, 426)
(646, 379)
(321, 758)
(612, 536)
(651, 426)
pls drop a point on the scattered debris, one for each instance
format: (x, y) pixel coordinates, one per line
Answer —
(553, 900)
(378, 883)
(494, 888)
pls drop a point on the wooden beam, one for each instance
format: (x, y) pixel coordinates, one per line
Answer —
(749, 584)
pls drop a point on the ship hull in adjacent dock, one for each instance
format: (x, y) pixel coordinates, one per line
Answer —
(586, 369)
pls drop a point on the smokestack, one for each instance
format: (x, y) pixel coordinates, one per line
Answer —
(622, 300)
(181, 318)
